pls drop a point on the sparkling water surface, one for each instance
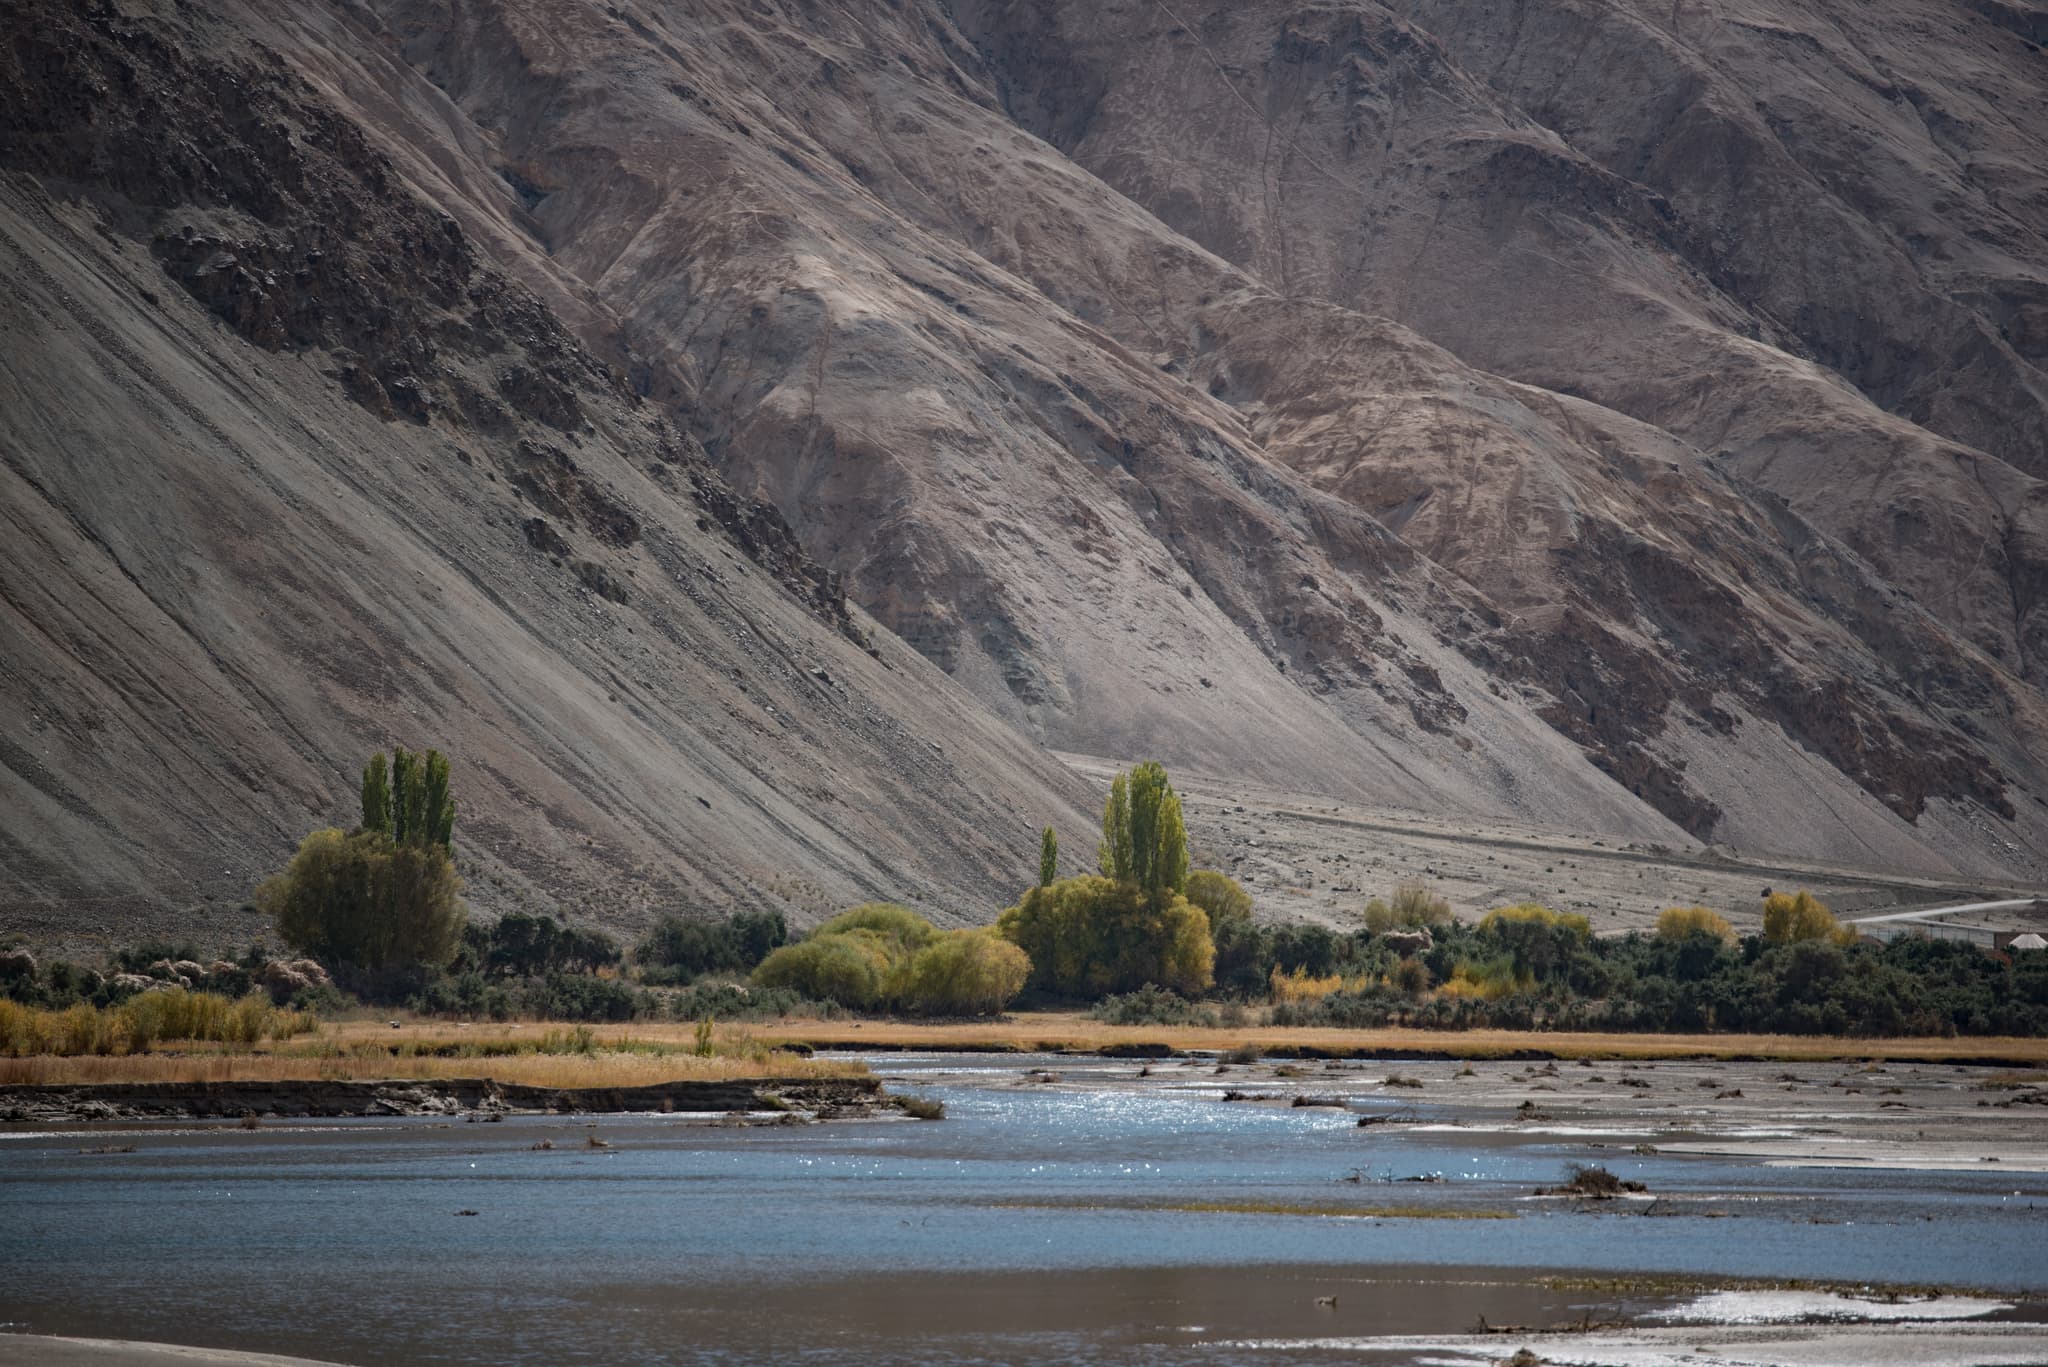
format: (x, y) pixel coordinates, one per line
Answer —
(901, 1240)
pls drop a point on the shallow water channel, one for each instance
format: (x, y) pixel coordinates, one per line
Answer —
(1098, 1217)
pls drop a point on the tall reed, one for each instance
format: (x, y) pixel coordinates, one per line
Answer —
(164, 1014)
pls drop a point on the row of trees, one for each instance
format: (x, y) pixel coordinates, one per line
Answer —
(386, 893)
(1531, 967)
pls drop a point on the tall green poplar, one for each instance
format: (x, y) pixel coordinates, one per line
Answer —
(377, 795)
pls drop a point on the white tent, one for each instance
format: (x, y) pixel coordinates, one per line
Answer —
(2028, 941)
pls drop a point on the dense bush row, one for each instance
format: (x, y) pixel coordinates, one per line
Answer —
(1549, 975)
(1143, 940)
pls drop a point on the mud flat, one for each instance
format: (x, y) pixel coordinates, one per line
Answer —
(1890, 1345)
(36, 1350)
(828, 1098)
(1869, 1114)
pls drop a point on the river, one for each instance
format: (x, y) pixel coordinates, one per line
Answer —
(1095, 1217)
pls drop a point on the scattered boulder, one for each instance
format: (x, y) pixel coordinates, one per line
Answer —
(188, 970)
(134, 982)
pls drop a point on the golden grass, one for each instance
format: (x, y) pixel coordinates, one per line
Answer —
(1076, 1032)
(536, 1070)
(555, 1055)
(1301, 986)
(536, 1055)
(145, 1019)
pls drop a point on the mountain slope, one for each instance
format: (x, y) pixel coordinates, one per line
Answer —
(1587, 416)
(1029, 419)
(292, 473)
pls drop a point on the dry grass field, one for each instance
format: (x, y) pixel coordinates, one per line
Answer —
(539, 1056)
(552, 1055)
(1073, 1031)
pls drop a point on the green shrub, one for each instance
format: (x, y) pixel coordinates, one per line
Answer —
(1414, 906)
(1088, 937)
(1151, 1005)
(850, 968)
(682, 948)
(1410, 976)
(1537, 939)
(467, 995)
(368, 900)
(581, 997)
(521, 945)
(962, 973)
(902, 931)
(1220, 896)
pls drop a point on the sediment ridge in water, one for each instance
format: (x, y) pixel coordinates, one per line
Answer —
(820, 1098)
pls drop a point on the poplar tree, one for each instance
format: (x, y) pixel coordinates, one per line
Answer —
(437, 823)
(1048, 858)
(412, 804)
(1144, 840)
(404, 788)
(377, 795)
(387, 893)
(1113, 856)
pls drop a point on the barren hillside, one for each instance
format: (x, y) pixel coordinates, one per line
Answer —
(292, 472)
(1620, 418)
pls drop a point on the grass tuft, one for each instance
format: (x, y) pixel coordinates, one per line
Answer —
(921, 1107)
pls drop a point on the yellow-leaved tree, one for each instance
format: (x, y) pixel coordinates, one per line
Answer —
(1790, 918)
(1675, 923)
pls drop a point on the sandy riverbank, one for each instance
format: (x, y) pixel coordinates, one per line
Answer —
(1858, 1114)
(483, 1098)
(1916, 1345)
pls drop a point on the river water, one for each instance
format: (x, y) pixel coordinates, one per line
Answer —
(1040, 1222)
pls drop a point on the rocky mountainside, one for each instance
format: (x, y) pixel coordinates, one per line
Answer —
(292, 471)
(1621, 417)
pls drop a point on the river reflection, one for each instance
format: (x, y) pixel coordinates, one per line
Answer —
(1042, 1221)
